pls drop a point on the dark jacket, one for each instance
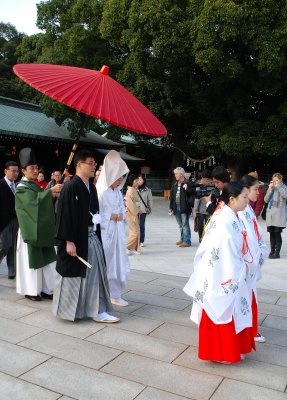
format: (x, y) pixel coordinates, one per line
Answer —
(7, 204)
(185, 207)
(72, 222)
(215, 200)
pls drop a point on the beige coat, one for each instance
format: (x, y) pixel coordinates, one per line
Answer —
(133, 208)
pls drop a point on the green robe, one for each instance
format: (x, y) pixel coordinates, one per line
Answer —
(35, 213)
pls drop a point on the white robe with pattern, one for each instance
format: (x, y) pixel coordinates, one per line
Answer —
(218, 284)
(258, 248)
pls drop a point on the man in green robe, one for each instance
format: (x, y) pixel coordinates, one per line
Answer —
(35, 255)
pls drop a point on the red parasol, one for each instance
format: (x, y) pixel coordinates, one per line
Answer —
(92, 92)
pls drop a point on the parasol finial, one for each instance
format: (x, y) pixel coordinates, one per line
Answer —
(105, 70)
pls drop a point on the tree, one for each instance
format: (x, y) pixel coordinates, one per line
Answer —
(72, 38)
(10, 38)
(214, 70)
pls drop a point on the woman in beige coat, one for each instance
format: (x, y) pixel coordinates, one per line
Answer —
(132, 216)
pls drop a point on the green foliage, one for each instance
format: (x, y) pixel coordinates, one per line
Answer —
(213, 71)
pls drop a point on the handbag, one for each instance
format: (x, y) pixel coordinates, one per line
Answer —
(148, 209)
(196, 223)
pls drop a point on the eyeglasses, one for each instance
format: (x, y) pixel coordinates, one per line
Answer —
(92, 164)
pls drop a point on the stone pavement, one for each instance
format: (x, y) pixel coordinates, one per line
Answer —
(152, 353)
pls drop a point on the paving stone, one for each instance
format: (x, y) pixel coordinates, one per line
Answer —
(4, 281)
(177, 333)
(271, 292)
(275, 322)
(268, 298)
(142, 276)
(163, 376)
(44, 319)
(282, 301)
(261, 318)
(164, 314)
(83, 352)
(16, 389)
(14, 331)
(234, 390)
(138, 344)
(13, 310)
(155, 394)
(9, 294)
(135, 324)
(251, 371)
(154, 300)
(146, 288)
(130, 308)
(170, 283)
(177, 294)
(15, 360)
(274, 336)
(39, 305)
(81, 382)
(271, 309)
(65, 398)
(270, 353)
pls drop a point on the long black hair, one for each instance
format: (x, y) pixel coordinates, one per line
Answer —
(248, 181)
(231, 189)
(131, 179)
(143, 186)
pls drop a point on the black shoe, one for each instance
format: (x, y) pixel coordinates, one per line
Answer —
(274, 255)
(11, 277)
(33, 298)
(47, 296)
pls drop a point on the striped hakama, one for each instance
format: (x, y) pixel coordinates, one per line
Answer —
(77, 298)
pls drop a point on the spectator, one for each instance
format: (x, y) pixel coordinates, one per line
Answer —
(56, 179)
(8, 219)
(276, 197)
(199, 209)
(40, 181)
(133, 212)
(220, 177)
(97, 174)
(145, 196)
(180, 207)
(257, 205)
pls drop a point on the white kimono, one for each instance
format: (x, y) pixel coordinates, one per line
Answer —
(28, 280)
(113, 237)
(258, 248)
(113, 232)
(218, 284)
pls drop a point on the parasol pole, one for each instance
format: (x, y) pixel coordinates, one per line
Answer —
(75, 145)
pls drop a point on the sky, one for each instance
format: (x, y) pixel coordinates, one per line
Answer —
(20, 13)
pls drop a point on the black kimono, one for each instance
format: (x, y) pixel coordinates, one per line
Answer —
(72, 222)
(79, 291)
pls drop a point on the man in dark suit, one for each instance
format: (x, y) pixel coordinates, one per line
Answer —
(220, 177)
(8, 219)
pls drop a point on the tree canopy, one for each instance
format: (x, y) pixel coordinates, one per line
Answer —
(213, 71)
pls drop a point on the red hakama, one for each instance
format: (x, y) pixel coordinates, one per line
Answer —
(221, 343)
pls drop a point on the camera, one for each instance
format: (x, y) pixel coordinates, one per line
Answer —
(199, 190)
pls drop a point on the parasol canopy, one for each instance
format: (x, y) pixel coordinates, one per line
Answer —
(92, 92)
